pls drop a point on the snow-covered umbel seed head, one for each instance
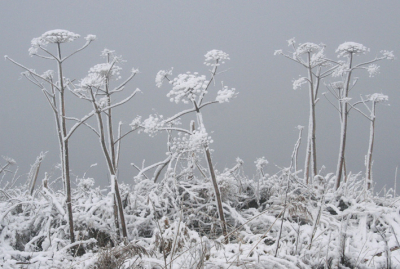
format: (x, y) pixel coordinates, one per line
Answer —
(49, 74)
(260, 163)
(373, 69)
(347, 48)
(378, 97)
(90, 38)
(106, 70)
(215, 57)
(308, 48)
(186, 87)
(316, 52)
(225, 94)
(152, 124)
(55, 36)
(337, 85)
(291, 42)
(91, 80)
(299, 82)
(161, 75)
(388, 54)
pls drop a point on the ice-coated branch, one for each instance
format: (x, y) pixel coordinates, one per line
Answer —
(365, 104)
(120, 87)
(137, 168)
(48, 52)
(175, 129)
(81, 121)
(44, 57)
(369, 62)
(180, 114)
(122, 136)
(324, 94)
(78, 50)
(31, 71)
(143, 170)
(122, 102)
(187, 111)
(362, 113)
(279, 52)
(84, 123)
(158, 170)
(118, 143)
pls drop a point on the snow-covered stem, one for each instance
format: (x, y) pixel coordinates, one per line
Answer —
(313, 91)
(395, 183)
(110, 165)
(65, 148)
(213, 177)
(33, 174)
(293, 162)
(283, 214)
(343, 126)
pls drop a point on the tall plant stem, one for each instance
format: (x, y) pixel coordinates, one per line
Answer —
(343, 133)
(65, 149)
(213, 177)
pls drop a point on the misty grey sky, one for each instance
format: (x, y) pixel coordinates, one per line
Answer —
(154, 35)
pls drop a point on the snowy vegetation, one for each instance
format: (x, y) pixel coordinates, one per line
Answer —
(182, 212)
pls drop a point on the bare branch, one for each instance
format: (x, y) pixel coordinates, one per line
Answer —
(122, 102)
(119, 88)
(157, 172)
(130, 131)
(119, 144)
(44, 57)
(86, 124)
(362, 113)
(83, 47)
(329, 71)
(48, 52)
(154, 165)
(293, 59)
(32, 81)
(175, 129)
(369, 62)
(51, 103)
(364, 102)
(73, 128)
(180, 114)
(31, 72)
(208, 85)
(331, 103)
(134, 165)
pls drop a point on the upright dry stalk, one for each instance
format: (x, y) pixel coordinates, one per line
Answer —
(58, 87)
(374, 99)
(34, 172)
(95, 88)
(191, 89)
(343, 125)
(311, 57)
(283, 215)
(213, 178)
(295, 152)
(345, 70)
(57, 37)
(395, 183)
